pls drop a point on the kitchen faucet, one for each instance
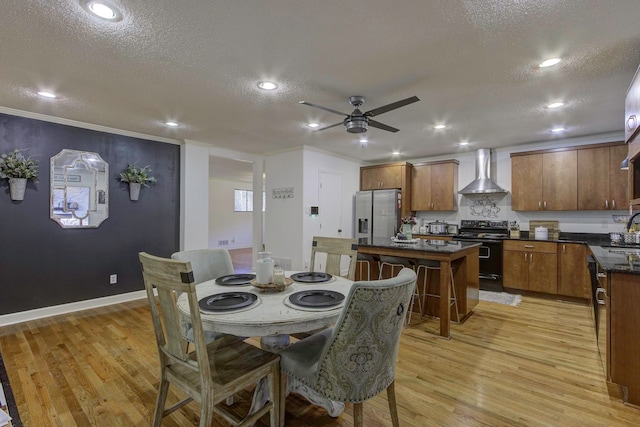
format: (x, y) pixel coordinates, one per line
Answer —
(630, 222)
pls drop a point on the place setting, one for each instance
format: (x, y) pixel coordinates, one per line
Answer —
(228, 302)
(315, 300)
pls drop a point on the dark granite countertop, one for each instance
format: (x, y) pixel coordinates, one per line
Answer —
(618, 258)
(420, 245)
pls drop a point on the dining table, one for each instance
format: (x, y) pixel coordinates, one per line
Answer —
(273, 317)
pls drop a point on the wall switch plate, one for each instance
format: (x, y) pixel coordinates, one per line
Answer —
(113, 279)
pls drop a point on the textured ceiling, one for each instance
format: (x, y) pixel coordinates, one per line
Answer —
(472, 63)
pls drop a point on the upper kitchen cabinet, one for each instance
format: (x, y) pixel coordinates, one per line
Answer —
(434, 186)
(632, 109)
(544, 180)
(387, 176)
(601, 183)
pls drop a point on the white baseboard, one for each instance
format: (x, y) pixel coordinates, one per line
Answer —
(39, 313)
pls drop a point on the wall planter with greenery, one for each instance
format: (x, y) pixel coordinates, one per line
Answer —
(136, 177)
(18, 169)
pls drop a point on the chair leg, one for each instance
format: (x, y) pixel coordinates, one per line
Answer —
(206, 409)
(274, 396)
(163, 390)
(283, 396)
(393, 409)
(357, 414)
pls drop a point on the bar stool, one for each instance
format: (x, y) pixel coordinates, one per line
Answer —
(426, 266)
(393, 263)
(362, 263)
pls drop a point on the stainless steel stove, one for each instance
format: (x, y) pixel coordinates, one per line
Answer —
(490, 235)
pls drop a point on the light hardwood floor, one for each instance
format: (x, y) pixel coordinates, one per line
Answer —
(532, 365)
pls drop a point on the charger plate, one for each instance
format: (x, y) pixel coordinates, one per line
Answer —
(311, 277)
(235, 279)
(316, 299)
(227, 302)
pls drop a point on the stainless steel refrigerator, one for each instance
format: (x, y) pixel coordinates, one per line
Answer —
(377, 214)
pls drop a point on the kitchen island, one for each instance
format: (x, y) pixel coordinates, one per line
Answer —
(461, 257)
(617, 299)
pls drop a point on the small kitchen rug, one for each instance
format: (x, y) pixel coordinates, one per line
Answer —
(501, 298)
(7, 402)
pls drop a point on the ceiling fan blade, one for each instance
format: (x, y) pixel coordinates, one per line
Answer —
(323, 108)
(392, 106)
(331, 126)
(382, 126)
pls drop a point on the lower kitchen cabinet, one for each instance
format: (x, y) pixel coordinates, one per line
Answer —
(573, 272)
(531, 265)
(624, 318)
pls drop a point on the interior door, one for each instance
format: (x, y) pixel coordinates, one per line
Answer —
(330, 205)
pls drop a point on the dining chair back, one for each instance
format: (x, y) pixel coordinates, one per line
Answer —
(207, 264)
(212, 372)
(335, 248)
(355, 360)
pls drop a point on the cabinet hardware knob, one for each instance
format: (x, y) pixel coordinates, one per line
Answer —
(632, 122)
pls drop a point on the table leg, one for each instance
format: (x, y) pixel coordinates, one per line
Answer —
(445, 298)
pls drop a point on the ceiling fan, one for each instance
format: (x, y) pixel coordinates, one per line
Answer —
(357, 121)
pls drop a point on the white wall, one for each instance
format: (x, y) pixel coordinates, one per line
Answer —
(289, 228)
(570, 221)
(314, 163)
(194, 186)
(224, 223)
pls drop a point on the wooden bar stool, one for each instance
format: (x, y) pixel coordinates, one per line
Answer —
(426, 266)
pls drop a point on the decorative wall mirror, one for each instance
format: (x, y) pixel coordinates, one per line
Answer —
(79, 189)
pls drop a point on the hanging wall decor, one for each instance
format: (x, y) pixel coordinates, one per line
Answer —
(136, 177)
(18, 169)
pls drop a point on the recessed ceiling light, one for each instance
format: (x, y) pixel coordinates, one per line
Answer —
(549, 62)
(171, 124)
(396, 153)
(555, 105)
(267, 86)
(102, 10)
(558, 129)
(440, 126)
(463, 143)
(313, 125)
(46, 94)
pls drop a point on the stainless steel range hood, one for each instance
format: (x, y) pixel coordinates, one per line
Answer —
(483, 183)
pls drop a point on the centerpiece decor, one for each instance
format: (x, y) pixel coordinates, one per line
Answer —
(18, 169)
(136, 177)
(407, 226)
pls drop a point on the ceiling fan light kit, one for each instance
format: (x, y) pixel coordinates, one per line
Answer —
(359, 122)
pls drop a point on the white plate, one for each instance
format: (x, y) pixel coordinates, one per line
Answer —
(405, 241)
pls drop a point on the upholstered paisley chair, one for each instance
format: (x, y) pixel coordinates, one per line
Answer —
(207, 264)
(356, 360)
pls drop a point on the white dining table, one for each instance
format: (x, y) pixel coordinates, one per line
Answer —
(273, 319)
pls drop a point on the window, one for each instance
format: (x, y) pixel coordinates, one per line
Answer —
(243, 201)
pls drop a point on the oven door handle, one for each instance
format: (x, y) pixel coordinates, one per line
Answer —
(482, 246)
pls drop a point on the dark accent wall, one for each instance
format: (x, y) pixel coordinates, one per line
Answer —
(42, 264)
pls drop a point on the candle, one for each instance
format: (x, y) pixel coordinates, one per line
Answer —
(278, 276)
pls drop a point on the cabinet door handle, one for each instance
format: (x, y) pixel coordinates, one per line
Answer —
(545, 204)
(530, 257)
(539, 205)
(525, 257)
(564, 249)
(606, 204)
(613, 204)
(529, 246)
(632, 122)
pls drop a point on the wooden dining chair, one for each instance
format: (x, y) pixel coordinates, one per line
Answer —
(335, 248)
(212, 372)
(356, 360)
(207, 264)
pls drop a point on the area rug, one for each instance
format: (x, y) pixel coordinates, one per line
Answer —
(7, 402)
(501, 298)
